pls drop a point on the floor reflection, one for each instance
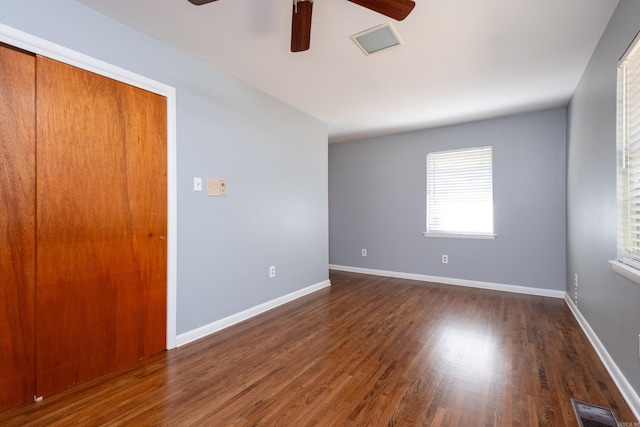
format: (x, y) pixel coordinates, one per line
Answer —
(468, 353)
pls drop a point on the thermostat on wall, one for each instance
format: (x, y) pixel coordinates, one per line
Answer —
(216, 187)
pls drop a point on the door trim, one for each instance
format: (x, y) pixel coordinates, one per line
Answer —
(30, 43)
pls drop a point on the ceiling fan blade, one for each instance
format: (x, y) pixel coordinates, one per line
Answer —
(201, 2)
(394, 9)
(301, 25)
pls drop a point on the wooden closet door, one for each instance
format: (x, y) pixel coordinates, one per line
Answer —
(17, 227)
(101, 225)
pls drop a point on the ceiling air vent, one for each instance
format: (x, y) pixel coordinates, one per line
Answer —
(377, 39)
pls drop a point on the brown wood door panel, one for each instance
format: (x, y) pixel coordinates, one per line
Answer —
(17, 227)
(101, 222)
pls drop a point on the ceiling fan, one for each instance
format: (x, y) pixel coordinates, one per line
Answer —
(301, 19)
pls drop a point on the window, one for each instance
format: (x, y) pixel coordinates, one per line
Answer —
(629, 156)
(460, 193)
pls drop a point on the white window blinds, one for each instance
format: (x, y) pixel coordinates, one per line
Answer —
(460, 192)
(629, 155)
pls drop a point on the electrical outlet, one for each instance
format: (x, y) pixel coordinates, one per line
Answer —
(272, 271)
(364, 252)
(445, 259)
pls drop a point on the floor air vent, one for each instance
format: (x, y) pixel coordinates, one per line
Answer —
(589, 415)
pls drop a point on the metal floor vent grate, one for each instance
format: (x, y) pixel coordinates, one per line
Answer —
(589, 415)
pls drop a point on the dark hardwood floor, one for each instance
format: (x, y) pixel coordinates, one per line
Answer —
(368, 351)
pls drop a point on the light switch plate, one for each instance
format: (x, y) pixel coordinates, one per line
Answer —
(197, 184)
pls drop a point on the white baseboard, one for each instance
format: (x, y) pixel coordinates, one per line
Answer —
(627, 391)
(457, 282)
(218, 325)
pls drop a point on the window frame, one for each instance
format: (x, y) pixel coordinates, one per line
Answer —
(465, 234)
(627, 263)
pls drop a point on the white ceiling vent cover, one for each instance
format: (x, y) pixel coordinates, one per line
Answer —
(377, 39)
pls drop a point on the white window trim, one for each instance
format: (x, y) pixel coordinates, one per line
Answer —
(461, 235)
(624, 270)
(626, 266)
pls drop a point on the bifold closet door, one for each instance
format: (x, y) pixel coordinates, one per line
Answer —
(101, 225)
(17, 227)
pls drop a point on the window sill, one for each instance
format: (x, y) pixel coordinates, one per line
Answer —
(628, 272)
(460, 236)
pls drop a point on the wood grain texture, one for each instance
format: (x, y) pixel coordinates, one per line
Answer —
(368, 351)
(17, 227)
(301, 25)
(395, 9)
(101, 222)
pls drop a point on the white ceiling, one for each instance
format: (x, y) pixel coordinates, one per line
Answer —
(461, 59)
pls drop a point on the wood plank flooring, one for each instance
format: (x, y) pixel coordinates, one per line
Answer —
(368, 351)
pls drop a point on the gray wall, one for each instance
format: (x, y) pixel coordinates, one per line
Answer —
(377, 201)
(609, 303)
(273, 156)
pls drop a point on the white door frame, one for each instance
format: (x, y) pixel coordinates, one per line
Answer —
(30, 43)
